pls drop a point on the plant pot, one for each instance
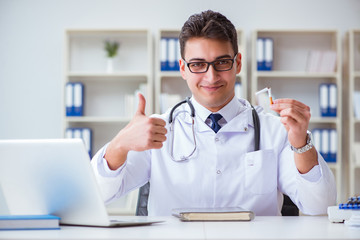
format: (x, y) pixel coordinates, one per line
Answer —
(110, 65)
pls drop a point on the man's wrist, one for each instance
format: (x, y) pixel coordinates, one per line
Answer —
(309, 145)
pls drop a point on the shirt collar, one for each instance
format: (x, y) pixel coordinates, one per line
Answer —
(233, 109)
(228, 112)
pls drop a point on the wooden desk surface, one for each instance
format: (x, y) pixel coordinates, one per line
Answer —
(303, 227)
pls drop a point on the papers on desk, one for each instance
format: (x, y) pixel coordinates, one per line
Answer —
(29, 222)
(213, 214)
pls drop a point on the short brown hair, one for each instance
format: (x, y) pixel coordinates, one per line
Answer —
(208, 24)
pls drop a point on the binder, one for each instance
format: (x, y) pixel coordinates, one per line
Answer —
(332, 100)
(238, 89)
(325, 138)
(69, 99)
(86, 137)
(324, 99)
(172, 54)
(316, 132)
(178, 55)
(333, 145)
(164, 54)
(78, 99)
(356, 102)
(260, 54)
(77, 133)
(85, 134)
(268, 56)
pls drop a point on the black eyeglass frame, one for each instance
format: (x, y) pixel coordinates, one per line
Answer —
(213, 64)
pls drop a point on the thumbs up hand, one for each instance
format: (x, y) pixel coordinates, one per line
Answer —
(142, 133)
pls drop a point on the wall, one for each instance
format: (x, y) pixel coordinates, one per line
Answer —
(32, 42)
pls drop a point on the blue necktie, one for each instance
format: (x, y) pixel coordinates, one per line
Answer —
(215, 117)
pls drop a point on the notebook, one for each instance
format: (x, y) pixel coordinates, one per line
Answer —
(54, 176)
(213, 214)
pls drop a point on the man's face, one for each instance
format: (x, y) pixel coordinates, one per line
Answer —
(211, 89)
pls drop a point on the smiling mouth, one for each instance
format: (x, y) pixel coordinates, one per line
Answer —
(211, 88)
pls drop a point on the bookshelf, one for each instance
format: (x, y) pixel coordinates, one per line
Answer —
(171, 82)
(293, 76)
(354, 121)
(105, 107)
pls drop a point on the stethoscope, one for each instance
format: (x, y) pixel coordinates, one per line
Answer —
(192, 114)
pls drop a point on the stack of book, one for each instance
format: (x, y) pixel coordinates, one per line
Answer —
(321, 61)
(29, 222)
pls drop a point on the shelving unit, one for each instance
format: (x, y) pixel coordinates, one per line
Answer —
(290, 78)
(354, 122)
(171, 82)
(104, 92)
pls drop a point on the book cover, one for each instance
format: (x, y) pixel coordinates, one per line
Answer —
(29, 222)
(213, 214)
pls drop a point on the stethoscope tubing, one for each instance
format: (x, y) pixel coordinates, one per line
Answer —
(255, 116)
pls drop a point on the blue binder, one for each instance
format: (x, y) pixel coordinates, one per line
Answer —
(172, 53)
(178, 55)
(78, 92)
(164, 59)
(268, 54)
(69, 99)
(333, 145)
(324, 99)
(74, 99)
(332, 100)
(325, 144)
(260, 52)
(83, 133)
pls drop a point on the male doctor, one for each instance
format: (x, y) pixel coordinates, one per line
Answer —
(224, 170)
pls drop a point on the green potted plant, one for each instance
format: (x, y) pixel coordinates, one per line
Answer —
(111, 49)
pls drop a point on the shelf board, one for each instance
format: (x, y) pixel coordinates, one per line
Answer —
(170, 74)
(324, 120)
(333, 165)
(357, 74)
(107, 75)
(291, 74)
(98, 119)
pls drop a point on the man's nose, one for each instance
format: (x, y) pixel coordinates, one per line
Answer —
(212, 74)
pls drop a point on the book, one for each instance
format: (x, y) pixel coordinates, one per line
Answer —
(213, 214)
(29, 222)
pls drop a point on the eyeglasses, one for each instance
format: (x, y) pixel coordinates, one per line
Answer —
(220, 65)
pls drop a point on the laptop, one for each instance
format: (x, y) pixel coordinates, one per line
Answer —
(54, 176)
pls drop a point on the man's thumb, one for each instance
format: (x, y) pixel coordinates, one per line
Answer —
(141, 105)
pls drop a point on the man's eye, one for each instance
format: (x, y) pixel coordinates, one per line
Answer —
(198, 65)
(222, 62)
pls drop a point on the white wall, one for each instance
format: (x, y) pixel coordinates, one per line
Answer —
(32, 33)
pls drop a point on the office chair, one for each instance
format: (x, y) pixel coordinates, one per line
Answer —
(288, 208)
(141, 208)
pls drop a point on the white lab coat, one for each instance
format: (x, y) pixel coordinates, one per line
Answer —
(224, 170)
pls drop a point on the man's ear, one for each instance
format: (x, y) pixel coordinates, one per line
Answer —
(238, 63)
(182, 68)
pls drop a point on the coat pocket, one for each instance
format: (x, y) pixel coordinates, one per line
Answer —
(261, 172)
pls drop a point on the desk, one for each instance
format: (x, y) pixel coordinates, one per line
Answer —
(304, 227)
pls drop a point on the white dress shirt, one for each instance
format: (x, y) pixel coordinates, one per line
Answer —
(224, 171)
